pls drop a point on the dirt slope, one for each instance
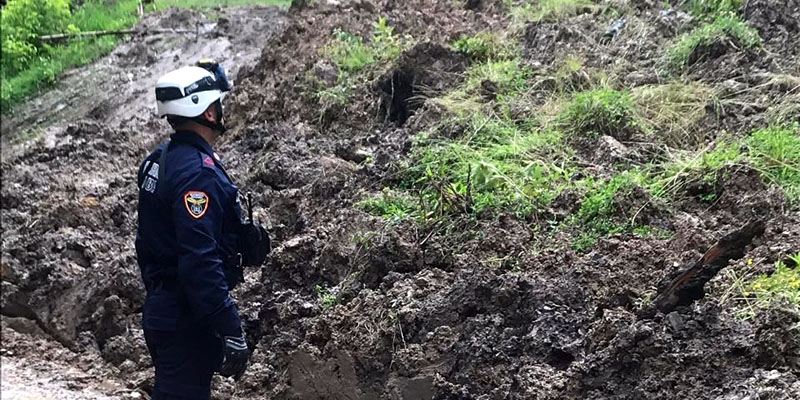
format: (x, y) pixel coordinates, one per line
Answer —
(69, 191)
(484, 307)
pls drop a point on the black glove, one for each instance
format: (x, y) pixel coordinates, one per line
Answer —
(255, 244)
(234, 270)
(235, 357)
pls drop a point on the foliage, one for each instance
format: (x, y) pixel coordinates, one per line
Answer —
(775, 152)
(508, 75)
(22, 22)
(49, 61)
(163, 4)
(482, 46)
(688, 167)
(390, 205)
(765, 290)
(598, 112)
(386, 45)
(724, 28)
(351, 54)
(326, 298)
(348, 51)
(673, 111)
(496, 165)
(711, 8)
(596, 216)
(549, 10)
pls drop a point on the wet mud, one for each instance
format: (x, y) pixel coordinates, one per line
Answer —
(482, 308)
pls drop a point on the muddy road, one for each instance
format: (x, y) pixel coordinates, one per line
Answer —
(354, 306)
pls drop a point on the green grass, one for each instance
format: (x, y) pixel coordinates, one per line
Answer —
(352, 54)
(671, 112)
(164, 4)
(724, 28)
(688, 167)
(775, 152)
(483, 46)
(52, 60)
(390, 205)
(599, 214)
(548, 10)
(326, 298)
(752, 294)
(348, 52)
(711, 8)
(91, 15)
(598, 112)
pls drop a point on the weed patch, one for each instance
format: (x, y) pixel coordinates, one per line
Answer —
(391, 205)
(765, 290)
(775, 152)
(351, 54)
(672, 112)
(598, 214)
(692, 167)
(711, 8)
(482, 46)
(549, 10)
(712, 39)
(598, 112)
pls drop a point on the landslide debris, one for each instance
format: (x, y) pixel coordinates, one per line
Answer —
(446, 224)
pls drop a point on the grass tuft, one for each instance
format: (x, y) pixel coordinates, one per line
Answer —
(672, 112)
(729, 30)
(599, 213)
(549, 10)
(775, 152)
(711, 8)
(598, 112)
(482, 46)
(390, 205)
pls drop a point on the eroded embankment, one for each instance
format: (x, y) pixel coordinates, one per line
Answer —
(516, 243)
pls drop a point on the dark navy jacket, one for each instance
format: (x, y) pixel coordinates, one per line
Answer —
(187, 227)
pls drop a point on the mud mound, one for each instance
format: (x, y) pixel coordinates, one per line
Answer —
(351, 305)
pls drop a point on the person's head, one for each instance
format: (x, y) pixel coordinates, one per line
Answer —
(191, 99)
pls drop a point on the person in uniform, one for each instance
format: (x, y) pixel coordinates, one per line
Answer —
(192, 241)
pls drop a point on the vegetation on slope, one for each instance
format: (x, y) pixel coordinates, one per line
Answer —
(29, 65)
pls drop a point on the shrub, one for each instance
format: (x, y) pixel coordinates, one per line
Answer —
(724, 28)
(598, 112)
(348, 51)
(21, 24)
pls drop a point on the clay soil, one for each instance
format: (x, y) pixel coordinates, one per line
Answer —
(477, 307)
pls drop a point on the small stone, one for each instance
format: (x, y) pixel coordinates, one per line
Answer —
(675, 321)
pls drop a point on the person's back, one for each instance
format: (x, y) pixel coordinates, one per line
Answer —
(191, 244)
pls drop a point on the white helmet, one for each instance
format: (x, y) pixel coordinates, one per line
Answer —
(187, 92)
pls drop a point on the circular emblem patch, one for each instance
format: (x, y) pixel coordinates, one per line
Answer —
(196, 203)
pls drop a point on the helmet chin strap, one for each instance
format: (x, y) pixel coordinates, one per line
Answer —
(217, 126)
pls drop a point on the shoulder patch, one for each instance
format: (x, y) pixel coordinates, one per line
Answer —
(196, 203)
(207, 161)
